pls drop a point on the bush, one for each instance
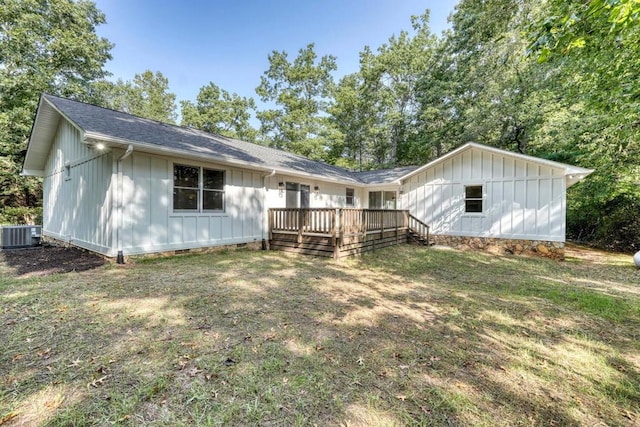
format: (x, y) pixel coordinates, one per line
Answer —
(21, 215)
(612, 224)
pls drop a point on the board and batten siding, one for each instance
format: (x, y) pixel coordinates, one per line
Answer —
(521, 199)
(150, 224)
(77, 190)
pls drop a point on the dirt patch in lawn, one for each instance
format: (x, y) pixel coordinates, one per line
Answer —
(45, 260)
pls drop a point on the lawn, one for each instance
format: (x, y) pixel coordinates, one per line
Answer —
(404, 336)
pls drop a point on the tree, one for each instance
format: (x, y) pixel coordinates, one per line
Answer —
(146, 96)
(597, 46)
(351, 120)
(499, 97)
(218, 111)
(45, 46)
(375, 111)
(392, 76)
(301, 90)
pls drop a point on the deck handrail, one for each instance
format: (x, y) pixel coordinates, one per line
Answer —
(419, 227)
(335, 222)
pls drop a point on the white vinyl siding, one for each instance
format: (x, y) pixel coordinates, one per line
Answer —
(152, 225)
(520, 199)
(77, 193)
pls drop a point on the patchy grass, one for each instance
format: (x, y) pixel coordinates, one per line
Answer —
(406, 335)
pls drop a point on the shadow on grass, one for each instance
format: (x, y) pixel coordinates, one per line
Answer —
(392, 339)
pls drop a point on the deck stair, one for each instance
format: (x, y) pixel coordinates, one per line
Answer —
(418, 232)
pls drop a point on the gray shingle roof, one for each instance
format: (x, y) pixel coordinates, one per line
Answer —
(116, 124)
(382, 176)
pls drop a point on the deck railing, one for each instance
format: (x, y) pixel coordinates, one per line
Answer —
(419, 228)
(335, 223)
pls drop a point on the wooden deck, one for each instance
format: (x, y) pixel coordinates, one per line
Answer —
(341, 232)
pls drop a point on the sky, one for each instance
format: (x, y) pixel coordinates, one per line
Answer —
(227, 42)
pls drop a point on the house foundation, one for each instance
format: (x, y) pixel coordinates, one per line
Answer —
(547, 249)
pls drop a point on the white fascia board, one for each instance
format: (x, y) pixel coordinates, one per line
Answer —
(32, 172)
(90, 137)
(82, 132)
(569, 169)
(37, 128)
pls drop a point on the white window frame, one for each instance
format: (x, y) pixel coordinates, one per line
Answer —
(352, 197)
(481, 198)
(200, 189)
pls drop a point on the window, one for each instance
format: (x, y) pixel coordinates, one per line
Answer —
(382, 199)
(473, 198)
(350, 196)
(197, 189)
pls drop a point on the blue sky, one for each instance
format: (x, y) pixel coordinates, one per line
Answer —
(193, 42)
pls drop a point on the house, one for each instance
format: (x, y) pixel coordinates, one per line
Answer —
(118, 184)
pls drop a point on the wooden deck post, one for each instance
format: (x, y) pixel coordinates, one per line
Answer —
(300, 224)
(341, 221)
(334, 239)
(395, 221)
(270, 214)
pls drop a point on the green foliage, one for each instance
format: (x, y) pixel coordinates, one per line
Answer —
(375, 111)
(20, 215)
(146, 96)
(559, 80)
(300, 89)
(45, 46)
(595, 46)
(218, 111)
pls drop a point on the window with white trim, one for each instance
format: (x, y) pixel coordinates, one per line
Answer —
(198, 189)
(349, 196)
(473, 198)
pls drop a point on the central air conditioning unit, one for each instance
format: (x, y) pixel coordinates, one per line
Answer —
(20, 236)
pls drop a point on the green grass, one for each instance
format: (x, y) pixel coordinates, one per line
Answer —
(403, 336)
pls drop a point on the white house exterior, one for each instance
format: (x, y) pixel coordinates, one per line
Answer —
(119, 184)
(517, 196)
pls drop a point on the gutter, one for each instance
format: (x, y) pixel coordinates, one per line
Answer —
(120, 195)
(211, 157)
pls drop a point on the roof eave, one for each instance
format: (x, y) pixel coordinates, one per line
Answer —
(577, 176)
(90, 137)
(32, 172)
(42, 136)
(568, 169)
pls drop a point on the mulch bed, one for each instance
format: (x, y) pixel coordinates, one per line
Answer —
(45, 260)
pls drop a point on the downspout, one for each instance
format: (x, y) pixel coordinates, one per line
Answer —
(264, 207)
(120, 192)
